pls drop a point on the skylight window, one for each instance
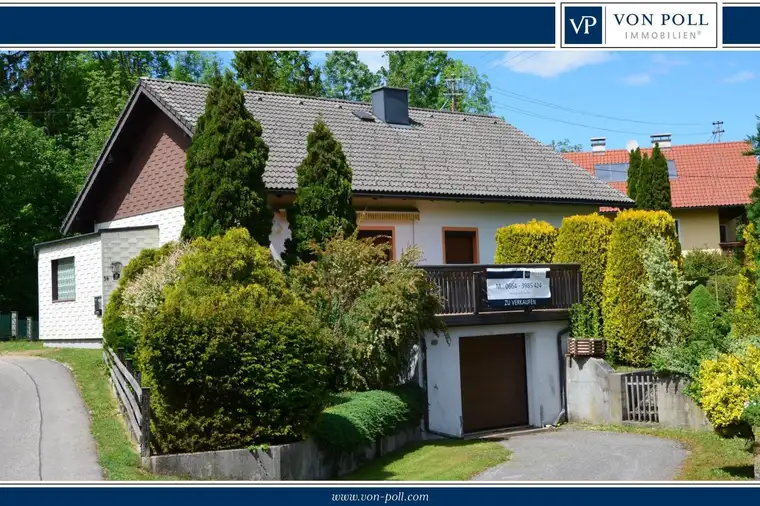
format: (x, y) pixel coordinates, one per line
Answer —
(618, 172)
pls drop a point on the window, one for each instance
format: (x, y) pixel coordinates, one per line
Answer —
(723, 234)
(678, 229)
(614, 172)
(460, 246)
(380, 235)
(64, 279)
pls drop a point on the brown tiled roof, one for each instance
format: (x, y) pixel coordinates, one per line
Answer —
(707, 175)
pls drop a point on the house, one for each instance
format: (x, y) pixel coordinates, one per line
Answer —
(710, 185)
(441, 180)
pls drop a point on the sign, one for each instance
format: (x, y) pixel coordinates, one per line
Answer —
(517, 287)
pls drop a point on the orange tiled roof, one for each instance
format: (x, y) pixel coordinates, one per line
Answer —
(707, 175)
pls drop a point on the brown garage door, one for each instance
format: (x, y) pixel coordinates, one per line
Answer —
(494, 384)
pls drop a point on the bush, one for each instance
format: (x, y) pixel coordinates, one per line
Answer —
(706, 318)
(745, 321)
(378, 310)
(233, 358)
(701, 265)
(584, 240)
(360, 419)
(725, 286)
(627, 311)
(116, 333)
(525, 243)
(585, 322)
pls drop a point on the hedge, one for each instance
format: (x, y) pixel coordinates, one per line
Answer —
(359, 419)
(584, 239)
(626, 311)
(745, 314)
(727, 383)
(525, 243)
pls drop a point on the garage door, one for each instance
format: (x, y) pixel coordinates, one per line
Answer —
(494, 384)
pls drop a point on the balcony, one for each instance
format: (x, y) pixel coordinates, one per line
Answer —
(463, 288)
(729, 248)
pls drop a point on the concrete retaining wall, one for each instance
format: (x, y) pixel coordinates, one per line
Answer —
(595, 395)
(296, 461)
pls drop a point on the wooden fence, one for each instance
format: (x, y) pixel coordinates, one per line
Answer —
(640, 397)
(134, 399)
(14, 327)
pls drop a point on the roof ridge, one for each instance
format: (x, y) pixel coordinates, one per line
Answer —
(675, 146)
(321, 99)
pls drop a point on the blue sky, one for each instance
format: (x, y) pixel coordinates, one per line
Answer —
(618, 95)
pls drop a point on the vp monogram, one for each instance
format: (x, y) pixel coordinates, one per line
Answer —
(585, 23)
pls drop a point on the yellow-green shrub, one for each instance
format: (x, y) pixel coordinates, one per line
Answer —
(626, 310)
(584, 239)
(727, 383)
(525, 243)
(745, 320)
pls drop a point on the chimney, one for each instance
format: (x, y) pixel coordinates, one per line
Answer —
(598, 145)
(391, 105)
(662, 139)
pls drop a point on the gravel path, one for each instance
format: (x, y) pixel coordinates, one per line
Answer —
(44, 426)
(579, 455)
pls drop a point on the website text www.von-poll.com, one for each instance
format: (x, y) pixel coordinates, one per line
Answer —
(386, 498)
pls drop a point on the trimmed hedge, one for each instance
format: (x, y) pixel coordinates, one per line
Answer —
(359, 419)
(745, 314)
(626, 310)
(525, 243)
(584, 239)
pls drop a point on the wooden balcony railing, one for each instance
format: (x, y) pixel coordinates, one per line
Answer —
(463, 287)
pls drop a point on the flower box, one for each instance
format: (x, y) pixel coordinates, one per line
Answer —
(582, 347)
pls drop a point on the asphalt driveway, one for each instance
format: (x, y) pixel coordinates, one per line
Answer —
(44, 426)
(579, 455)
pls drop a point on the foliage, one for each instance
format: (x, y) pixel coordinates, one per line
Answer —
(360, 419)
(471, 88)
(634, 172)
(627, 311)
(751, 412)
(584, 239)
(585, 321)
(565, 146)
(233, 358)
(195, 66)
(753, 208)
(723, 288)
(116, 332)
(666, 291)
(728, 382)
(700, 265)
(347, 77)
(225, 165)
(378, 310)
(280, 71)
(706, 316)
(323, 206)
(525, 243)
(653, 183)
(745, 316)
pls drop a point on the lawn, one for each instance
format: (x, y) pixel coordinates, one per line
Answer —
(453, 460)
(711, 457)
(116, 454)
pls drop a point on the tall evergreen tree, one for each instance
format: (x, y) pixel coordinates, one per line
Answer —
(323, 206)
(643, 183)
(225, 165)
(634, 172)
(659, 181)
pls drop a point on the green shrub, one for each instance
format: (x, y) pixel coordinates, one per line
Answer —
(525, 243)
(728, 383)
(626, 310)
(724, 288)
(745, 321)
(233, 358)
(377, 309)
(584, 239)
(701, 265)
(585, 321)
(116, 333)
(706, 318)
(362, 418)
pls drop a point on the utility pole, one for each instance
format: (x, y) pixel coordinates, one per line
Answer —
(453, 93)
(717, 130)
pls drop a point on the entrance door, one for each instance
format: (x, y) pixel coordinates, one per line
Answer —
(460, 246)
(493, 382)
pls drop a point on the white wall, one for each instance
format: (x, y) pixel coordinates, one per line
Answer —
(122, 246)
(169, 221)
(71, 321)
(542, 366)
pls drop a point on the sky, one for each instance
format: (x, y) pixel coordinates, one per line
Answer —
(623, 96)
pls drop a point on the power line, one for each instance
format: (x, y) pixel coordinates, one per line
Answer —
(718, 130)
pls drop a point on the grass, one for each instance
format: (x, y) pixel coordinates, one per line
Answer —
(711, 457)
(434, 461)
(117, 455)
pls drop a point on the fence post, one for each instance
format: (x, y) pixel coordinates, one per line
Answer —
(29, 328)
(120, 354)
(128, 365)
(145, 429)
(14, 324)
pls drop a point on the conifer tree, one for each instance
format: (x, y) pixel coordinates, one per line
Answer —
(323, 206)
(643, 186)
(225, 164)
(634, 172)
(659, 181)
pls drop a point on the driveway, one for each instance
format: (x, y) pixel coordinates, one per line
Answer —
(44, 426)
(579, 455)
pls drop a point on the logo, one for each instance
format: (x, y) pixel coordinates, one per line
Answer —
(583, 25)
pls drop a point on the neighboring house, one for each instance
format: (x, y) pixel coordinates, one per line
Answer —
(440, 180)
(710, 185)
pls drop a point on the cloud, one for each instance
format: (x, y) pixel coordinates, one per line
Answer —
(373, 59)
(740, 77)
(667, 61)
(552, 63)
(637, 79)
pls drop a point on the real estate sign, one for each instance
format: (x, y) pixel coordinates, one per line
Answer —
(517, 287)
